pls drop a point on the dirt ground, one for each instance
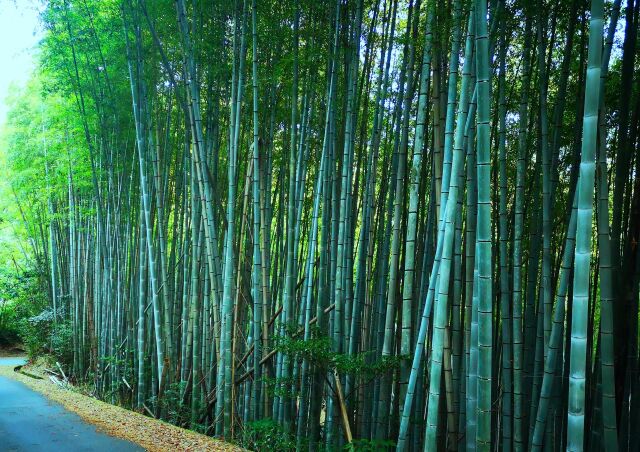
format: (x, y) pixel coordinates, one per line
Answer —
(12, 350)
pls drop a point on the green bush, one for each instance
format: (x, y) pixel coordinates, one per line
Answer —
(171, 404)
(61, 338)
(41, 335)
(21, 298)
(266, 434)
(365, 445)
(9, 323)
(35, 332)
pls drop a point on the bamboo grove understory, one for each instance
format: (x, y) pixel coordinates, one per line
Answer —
(408, 223)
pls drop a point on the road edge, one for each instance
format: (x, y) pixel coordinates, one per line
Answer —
(151, 434)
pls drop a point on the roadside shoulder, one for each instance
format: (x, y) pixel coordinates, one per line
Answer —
(152, 434)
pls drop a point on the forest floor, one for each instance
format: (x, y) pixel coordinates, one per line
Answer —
(151, 434)
(11, 350)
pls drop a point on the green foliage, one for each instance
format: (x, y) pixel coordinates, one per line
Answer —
(365, 445)
(281, 387)
(171, 404)
(121, 362)
(267, 434)
(318, 351)
(35, 332)
(61, 342)
(21, 297)
(9, 324)
(42, 335)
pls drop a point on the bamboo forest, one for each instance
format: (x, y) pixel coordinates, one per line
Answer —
(358, 225)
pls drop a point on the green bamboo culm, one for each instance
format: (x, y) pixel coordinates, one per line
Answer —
(518, 221)
(503, 262)
(582, 262)
(411, 233)
(555, 338)
(256, 275)
(483, 254)
(440, 304)
(605, 261)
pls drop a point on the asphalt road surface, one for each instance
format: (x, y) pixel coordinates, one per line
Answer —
(31, 422)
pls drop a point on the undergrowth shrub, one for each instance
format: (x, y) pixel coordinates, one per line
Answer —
(21, 297)
(267, 434)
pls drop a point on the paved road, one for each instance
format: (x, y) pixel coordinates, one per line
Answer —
(31, 422)
(13, 361)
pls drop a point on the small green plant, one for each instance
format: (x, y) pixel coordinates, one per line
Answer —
(61, 338)
(281, 387)
(317, 350)
(267, 435)
(35, 331)
(365, 445)
(171, 406)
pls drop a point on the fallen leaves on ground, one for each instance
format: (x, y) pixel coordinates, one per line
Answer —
(152, 434)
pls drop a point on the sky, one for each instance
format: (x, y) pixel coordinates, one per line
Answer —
(20, 31)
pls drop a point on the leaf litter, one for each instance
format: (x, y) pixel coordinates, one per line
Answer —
(151, 434)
